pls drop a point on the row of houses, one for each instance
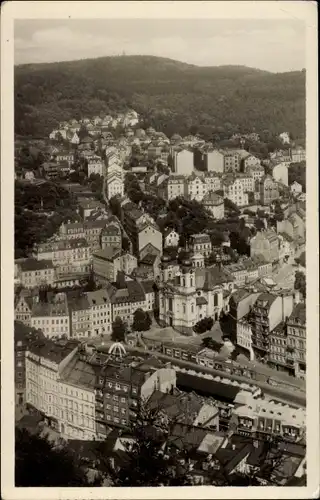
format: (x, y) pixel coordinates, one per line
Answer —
(85, 314)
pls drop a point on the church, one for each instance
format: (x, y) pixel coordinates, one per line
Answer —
(193, 294)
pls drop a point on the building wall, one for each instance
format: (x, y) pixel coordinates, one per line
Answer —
(32, 279)
(150, 235)
(216, 210)
(77, 412)
(280, 173)
(183, 163)
(103, 268)
(52, 326)
(214, 161)
(163, 380)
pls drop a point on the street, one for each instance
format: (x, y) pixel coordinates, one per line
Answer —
(285, 276)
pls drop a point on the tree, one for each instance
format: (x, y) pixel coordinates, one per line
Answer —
(203, 325)
(141, 321)
(300, 283)
(212, 344)
(149, 460)
(119, 330)
(38, 462)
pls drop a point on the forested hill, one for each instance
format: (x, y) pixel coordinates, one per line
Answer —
(172, 96)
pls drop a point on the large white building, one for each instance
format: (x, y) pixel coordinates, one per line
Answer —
(191, 295)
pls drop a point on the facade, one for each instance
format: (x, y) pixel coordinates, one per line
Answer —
(96, 166)
(23, 308)
(298, 155)
(280, 172)
(171, 238)
(268, 190)
(214, 161)
(296, 340)
(108, 262)
(182, 162)
(270, 419)
(80, 316)
(174, 186)
(265, 244)
(267, 313)
(196, 187)
(201, 243)
(111, 237)
(52, 317)
(296, 188)
(101, 312)
(213, 181)
(234, 190)
(232, 161)
(33, 273)
(115, 185)
(191, 295)
(256, 171)
(67, 405)
(68, 256)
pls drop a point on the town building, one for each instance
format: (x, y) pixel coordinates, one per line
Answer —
(280, 172)
(68, 256)
(268, 190)
(23, 307)
(171, 238)
(212, 181)
(296, 340)
(234, 190)
(52, 317)
(268, 419)
(298, 155)
(215, 204)
(255, 171)
(114, 185)
(200, 243)
(232, 161)
(101, 312)
(173, 187)
(267, 313)
(80, 316)
(89, 206)
(196, 187)
(265, 244)
(34, 273)
(106, 264)
(111, 236)
(296, 188)
(182, 162)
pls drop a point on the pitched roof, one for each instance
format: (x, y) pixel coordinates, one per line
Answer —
(107, 253)
(36, 265)
(201, 385)
(79, 373)
(208, 278)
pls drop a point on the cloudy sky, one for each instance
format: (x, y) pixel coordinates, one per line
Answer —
(270, 45)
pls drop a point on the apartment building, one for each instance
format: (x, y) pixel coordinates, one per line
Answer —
(114, 185)
(171, 238)
(101, 312)
(280, 172)
(267, 313)
(213, 181)
(296, 340)
(255, 171)
(200, 243)
(34, 273)
(52, 317)
(196, 187)
(23, 304)
(96, 166)
(108, 262)
(268, 190)
(111, 236)
(173, 187)
(265, 244)
(232, 161)
(234, 190)
(182, 162)
(267, 419)
(68, 256)
(44, 361)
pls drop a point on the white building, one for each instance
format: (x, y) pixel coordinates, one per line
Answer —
(296, 188)
(171, 238)
(182, 162)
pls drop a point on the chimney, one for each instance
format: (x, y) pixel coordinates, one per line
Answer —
(233, 447)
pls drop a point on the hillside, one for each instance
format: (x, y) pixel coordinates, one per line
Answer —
(172, 96)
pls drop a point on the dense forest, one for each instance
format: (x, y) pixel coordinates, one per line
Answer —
(171, 96)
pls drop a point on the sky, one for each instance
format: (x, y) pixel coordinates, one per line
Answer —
(272, 45)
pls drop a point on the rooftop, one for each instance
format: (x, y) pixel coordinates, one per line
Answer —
(35, 265)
